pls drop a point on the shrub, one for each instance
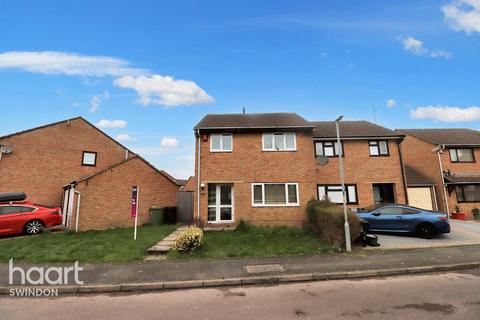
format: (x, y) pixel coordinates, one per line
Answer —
(476, 213)
(243, 226)
(189, 240)
(326, 220)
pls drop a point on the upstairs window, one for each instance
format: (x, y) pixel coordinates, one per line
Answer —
(462, 155)
(89, 158)
(328, 149)
(378, 148)
(279, 142)
(221, 142)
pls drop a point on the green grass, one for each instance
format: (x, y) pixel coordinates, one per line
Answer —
(115, 245)
(252, 241)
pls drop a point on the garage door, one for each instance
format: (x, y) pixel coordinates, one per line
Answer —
(420, 197)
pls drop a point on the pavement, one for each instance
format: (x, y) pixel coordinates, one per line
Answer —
(437, 296)
(156, 275)
(462, 233)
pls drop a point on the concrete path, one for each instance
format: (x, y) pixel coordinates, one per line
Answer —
(166, 244)
(452, 295)
(206, 269)
(462, 233)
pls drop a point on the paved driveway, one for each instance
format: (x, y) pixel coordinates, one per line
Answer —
(462, 233)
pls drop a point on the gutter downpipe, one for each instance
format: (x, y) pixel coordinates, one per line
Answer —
(440, 150)
(405, 189)
(198, 177)
(78, 210)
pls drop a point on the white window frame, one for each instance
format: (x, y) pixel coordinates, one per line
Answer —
(218, 207)
(221, 142)
(287, 204)
(89, 153)
(339, 186)
(284, 141)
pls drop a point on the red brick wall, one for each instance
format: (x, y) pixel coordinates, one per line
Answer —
(419, 155)
(190, 185)
(46, 159)
(461, 168)
(363, 170)
(248, 164)
(105, 198)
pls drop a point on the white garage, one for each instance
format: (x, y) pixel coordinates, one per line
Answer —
(420, 197)
(420, 190)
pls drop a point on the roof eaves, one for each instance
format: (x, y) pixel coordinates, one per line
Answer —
(39, 127)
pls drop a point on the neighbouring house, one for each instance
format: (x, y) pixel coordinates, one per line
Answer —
(44, 161)
(189, 184)
(264, 168)
(372, 161)
(448, 159)
(102, 200)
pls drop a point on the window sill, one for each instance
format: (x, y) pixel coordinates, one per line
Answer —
(275, 205)
(289, 150)
(221, 222)
(220, 151)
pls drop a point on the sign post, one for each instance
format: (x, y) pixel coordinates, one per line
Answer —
(134, 208)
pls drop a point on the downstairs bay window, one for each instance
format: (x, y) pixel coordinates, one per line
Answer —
(274, 194)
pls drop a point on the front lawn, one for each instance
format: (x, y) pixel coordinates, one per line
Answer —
(115, 245)
(253, 241)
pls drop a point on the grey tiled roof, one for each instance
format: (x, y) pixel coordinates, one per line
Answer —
(416, 178)
(451, 136)
(253, 121)
(352, 129)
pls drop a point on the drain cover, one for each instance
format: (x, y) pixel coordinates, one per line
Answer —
(264, 268)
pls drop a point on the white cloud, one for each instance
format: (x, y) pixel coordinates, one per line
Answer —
(97, 100)
(72, 64)
(170, 142)
(391, 103)
(123, 137)
(446, 114)
(111, 124)
(463, 15)
(416, 47)
(167, 91)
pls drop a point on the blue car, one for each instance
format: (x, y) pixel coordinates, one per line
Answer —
(405, 219)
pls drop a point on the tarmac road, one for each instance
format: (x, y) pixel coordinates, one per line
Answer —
(452, 295)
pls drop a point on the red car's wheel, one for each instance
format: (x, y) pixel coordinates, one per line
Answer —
(33, 227)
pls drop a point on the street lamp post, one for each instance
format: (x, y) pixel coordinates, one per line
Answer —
(342, 179)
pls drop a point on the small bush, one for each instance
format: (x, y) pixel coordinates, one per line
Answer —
(243, 226)
(189, 240)
(326, 220)
(476, 213)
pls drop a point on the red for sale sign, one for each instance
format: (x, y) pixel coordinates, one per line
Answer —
(134, 203)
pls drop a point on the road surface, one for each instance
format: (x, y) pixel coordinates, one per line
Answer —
(453, 295)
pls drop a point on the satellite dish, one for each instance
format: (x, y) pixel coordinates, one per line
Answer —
(322, 160)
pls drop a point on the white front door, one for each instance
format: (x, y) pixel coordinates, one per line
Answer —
(67, 208)
(220, 203)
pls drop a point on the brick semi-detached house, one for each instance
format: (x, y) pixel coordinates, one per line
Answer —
(75, 165)
(449, 160)
(264, 168)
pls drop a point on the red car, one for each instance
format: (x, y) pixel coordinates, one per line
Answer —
(27, 218)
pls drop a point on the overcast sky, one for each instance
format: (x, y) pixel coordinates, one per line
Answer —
(147, 71)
